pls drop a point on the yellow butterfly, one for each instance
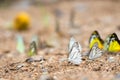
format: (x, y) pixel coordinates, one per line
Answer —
(95, 38)
(32, 49)
(22, 21)
(112, 43)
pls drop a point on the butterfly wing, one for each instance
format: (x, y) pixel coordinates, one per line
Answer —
(114, 46)
(36, 39)
(75, 54)
(95, 38)
(114, 43)
(106, 43)
(72, 41)
(95, 52)
(20, 44)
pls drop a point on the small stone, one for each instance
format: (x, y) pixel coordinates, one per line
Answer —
(29, 60)
(20, 66)
(111, 59)
(46, 77)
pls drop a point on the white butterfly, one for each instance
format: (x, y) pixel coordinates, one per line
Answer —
(95, 52)
(72, 41)
(74, 56)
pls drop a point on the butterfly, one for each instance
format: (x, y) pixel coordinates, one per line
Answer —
(32, 49)
(20, 44)
(74, 56)
(95, 37)
(112, 43)
(95, 52)
(21, 21)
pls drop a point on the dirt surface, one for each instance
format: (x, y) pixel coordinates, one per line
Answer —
(103, 16)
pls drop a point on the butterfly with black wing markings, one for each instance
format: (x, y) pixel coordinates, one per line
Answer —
(95, 52)
(113, 43)
(74, 56)
(32, 49)
(95, 37)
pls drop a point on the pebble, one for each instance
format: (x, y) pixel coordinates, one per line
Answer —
(111, 59)
(46, 77)
(29, 60)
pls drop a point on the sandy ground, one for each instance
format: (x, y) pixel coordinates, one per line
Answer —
(103, 16)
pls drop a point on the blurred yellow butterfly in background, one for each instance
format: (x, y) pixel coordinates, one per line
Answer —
(21, 21)
(112, 43)
(95, 38)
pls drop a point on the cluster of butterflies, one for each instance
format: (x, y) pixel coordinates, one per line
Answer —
(96, 44)
(97, 47)
(32, 48)
(111, 43)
